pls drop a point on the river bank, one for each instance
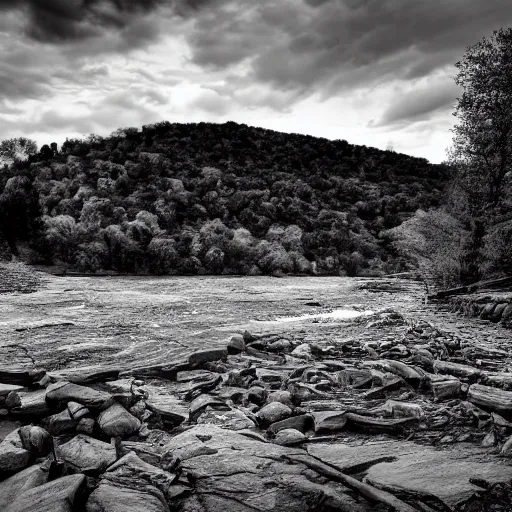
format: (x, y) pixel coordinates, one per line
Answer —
(253, 394)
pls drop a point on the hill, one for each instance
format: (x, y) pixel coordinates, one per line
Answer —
(215, 198)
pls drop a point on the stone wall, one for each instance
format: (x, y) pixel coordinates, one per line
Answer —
(496, 308)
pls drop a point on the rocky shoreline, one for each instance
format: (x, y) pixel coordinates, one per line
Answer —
(406, 417)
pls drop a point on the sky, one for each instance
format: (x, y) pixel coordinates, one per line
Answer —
(373, 72)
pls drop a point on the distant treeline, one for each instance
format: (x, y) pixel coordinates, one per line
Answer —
(214, 198)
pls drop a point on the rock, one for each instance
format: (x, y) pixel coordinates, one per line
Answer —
(233, 419)
(506, 450)
(498, 312)
(77, 411)
(172, 410)
(357, 379)
(411, 375)
(85, 453)
(204, 356)
(90, 377)
(284, 397)
(289, 437)
(24, 378)
(269, 483)
(352, 459)
(234, 394)
(302, 423)
(487, 311)
(236, 344)
(147, 452)
(138, 410)
(279, 345)
(56, 496)
(110, 498)
(86, 426)
(445, 389)
(133, 473)
(489, 440)
(21, 482)
(12, 400)
(257, 395)
(116, 421)
(5, 389)
(60, 423)
(33, 405)
(8, 426)
(444, 474)
(271, 377)
(273, 412)
(36, 440)
(302, 351)
(491, 399)
(199, 404)
(506, 316)
(59, 394)
(329, 421)
(369, 424)
(397, 409)
(461, 371)
(13, 457)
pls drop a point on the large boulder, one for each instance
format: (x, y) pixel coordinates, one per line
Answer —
(116, 421)
(25, 480)
(86, 454)
(13, 456)
(111, 498)
(275, 411)
(132, 485)
(56, 496)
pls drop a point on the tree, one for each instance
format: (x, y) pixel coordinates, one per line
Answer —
(18, 148)
(483, 137)
(46, 152)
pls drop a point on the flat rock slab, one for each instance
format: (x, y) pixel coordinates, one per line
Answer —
(233, 472)
(172, 410)
(356, 458)
(56, 496)
(33, 405)
(59, 394)
(21, 482)
(443, 474)
(121, 499)
(85, 453)
(5, 389)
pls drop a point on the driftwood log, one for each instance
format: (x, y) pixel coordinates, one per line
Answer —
(367, 491)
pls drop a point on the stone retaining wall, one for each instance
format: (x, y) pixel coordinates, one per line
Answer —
(495, 308)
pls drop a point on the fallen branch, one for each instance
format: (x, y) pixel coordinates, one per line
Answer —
(366, 491)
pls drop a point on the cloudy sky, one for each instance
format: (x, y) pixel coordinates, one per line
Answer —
(374, 72)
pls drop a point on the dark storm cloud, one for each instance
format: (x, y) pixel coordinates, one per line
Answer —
(332, 45)
(420, 104)
(19, 83)
(72, 20)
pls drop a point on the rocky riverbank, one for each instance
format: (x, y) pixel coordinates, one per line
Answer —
(383, 412)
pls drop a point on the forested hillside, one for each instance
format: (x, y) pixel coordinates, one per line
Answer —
(215, 198)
